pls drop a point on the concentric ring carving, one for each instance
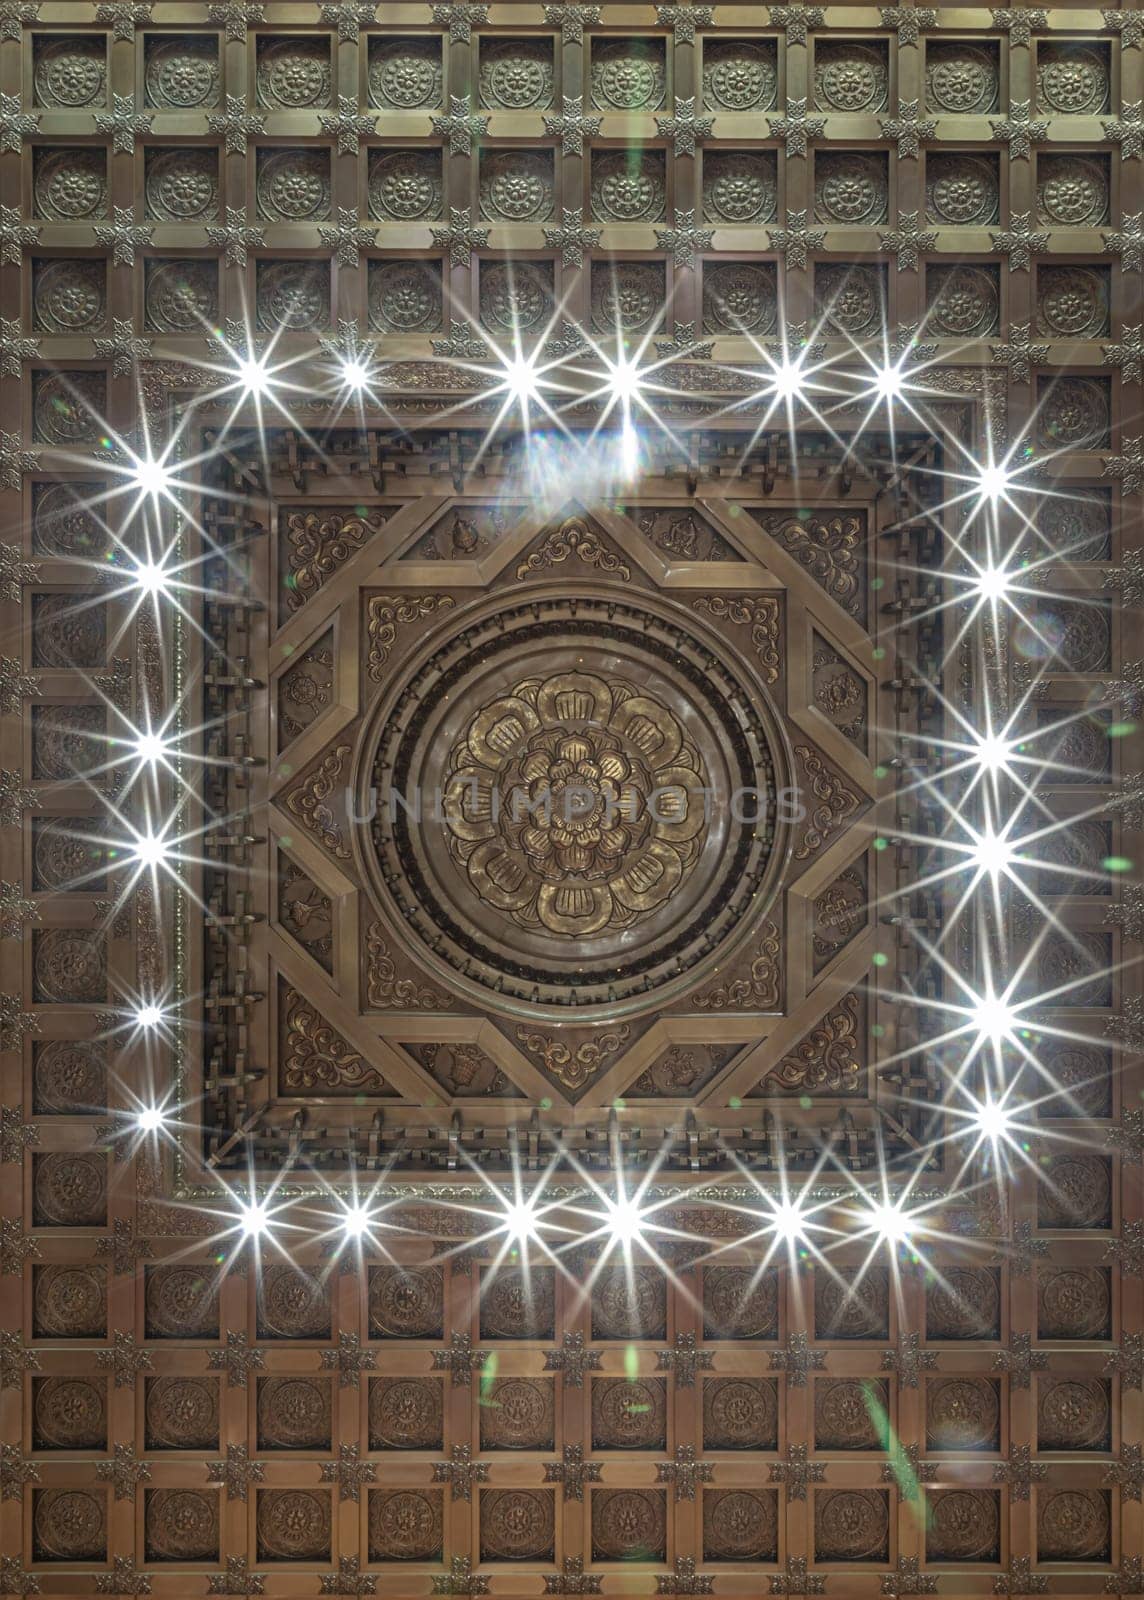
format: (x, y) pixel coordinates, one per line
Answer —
(545, 777)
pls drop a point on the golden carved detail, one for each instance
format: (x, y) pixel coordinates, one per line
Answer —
(385, 989)
(573, 1067)
(574, 538)
(835, 802)
(573, 804)
(761, 616)
(385, 612)
(308, 802)
(762, 991)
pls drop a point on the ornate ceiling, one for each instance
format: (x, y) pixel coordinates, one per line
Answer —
(541, 1053)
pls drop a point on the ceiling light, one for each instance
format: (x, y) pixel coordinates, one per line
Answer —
(993, 583)
(150, 1119)
(888, 1221)
(992, 1120)
(520, 379)
(151, 577)
(625, 1220)
(994, 1018)
(355, 374)
(356, 1221)
(888, 383)
(993, 481)
(788, 381)
(253, 376)
(148, 1016)
(148, 851)
(150, 748)
(153, 477)
(787, 1221)
(993, 754)
(253, 1218)
(992, 853)
(520, 1221)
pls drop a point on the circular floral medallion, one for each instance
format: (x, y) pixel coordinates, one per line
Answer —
(516, 74)
(739, 75)
(961, 190)
(404, 297)
(850, 77)
(70, 1302)
(293, 294)
(405, 185)
(71, 72)
(1075, 414)
(740, 1525)
(629, 185)
(851, 1525)
(291, 1305)
(1077, 527)
(739, 186)
(62, 525)
(519, 1416)
(1072, 191)
(965, 1526)
(71, 1413)
(1074, 1415)
(406, 1525)
(850, 188)
(70, 1190)
(1072, 302)
(742, 1413)
(627, 1414)
(573, 829)
(294, 186)
(964, 1303)
(515, 297)
(740, 1303)
(516, 185)
(182, 1413)
(963, 1414)
(181, 73)
(69, 1525)
(71, 185)
(404, 74)
(1072, 80)
(181, 1303)
(181, 296)
(1072, 1525)
(293, 1413)
(1073, 1303)
(293, 74)
(627, 296)
(405, 1413)
(182, 185)
(628, 75)
(69, 296)
(739, 297)
(182, 1525)
(853, 298)
(961, 77)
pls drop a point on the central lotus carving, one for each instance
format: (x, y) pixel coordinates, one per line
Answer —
(574, 804)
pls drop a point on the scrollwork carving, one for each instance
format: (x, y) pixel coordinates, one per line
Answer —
(181, 1413)
(69, 1189)
(315, 1057)
(69, 1302)
(629, 1525)
(851, 1525)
